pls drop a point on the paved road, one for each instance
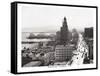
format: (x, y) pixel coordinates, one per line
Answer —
(80, 53)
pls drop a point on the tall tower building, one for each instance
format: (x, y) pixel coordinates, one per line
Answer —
(63, 52)
(64, 32)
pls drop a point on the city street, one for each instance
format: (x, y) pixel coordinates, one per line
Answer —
(80, 53)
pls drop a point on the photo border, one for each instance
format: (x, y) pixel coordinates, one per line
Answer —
(14, 35)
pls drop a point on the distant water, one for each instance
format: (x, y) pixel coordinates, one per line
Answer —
(25, 36)
(25, 39)
(29, 45)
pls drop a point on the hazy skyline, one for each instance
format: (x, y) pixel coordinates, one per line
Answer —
(45, 18)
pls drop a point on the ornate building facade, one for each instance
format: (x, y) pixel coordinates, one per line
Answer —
(64, 32)
(63, 51)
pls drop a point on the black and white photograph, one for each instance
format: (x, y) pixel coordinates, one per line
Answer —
(53, 37)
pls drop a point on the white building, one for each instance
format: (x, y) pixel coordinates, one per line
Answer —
(63, 53)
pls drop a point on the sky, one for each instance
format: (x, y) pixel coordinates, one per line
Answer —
(46, 18)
